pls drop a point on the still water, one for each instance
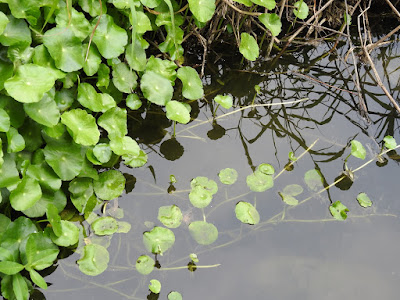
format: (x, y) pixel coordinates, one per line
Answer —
(303, 255)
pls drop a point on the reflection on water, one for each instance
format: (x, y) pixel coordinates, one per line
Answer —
(302, 253)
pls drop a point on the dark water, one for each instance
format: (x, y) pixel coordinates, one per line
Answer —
(306, 255)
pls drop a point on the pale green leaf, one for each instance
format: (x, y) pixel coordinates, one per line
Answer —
(82, 126)
(192, 86)
(156, 88)
(272, 22)
(248, 46)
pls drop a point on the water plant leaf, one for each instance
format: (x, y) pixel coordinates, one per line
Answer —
(20, 287)
(9, 174)
(94, 260)
(136, 57)
(54, 219)
(301, 9)
(30, 83)
(247, 213)
(65, 48)
(292, 157)
(109, 38)
(69, 237)
(114, 121)
(266, 169)
(133, 102)
(171, 216)
(123, 78)
(292, 189)
(207, 184)
(145, 264)
(192, 86)
(225, 101)
(390, 142)
(3, 22)
(271, 22)
(135, 161)
(44, 112)
(248, 3)
(74, 20)
(105, 226)
(364, 200)
(39, 251)
(177, 111)
(156, 88)
(26, 194)
(193, 257)
(228, 176)
(200, 197)
(89, 98)
(158, 240)
(314, 180)
(82, 126)
(202, 10)
(15, 141)
(203, 233)
(358, 150)
(102, 152)
(10, 267)
(37, 279)
(259, 182)
(162, 67)
(92, 63)
(248, 46)
(103, 76)
(269, 4)
(289, 199)
(174, 296)
(4, 121)
(155, 286)
(15, 32)
(110, 185)
(338, 211)
(125, 146)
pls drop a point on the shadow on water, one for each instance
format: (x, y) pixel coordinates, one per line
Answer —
(297, 252)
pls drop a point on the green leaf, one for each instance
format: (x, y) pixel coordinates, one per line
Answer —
(228, 176)
(269, 4)
(170, 216)
(103, 74)
(81, 126)
(358, 150)
(174, 296)
(30, 83)
(314, 180)
(41, 57)
(156, 88)
(158, 240)
(102, 152)
(133, 102)
(45, 176)
(97, 102)
(8, 172)
(203, 10)
(94, 260)
(135, 161)
(301, 9)
(16, 142)
(26, 194)
(65, 48)
(3, 22)
(151, 3)
(38, 279)
(92, 7)
(125, 146)
(364, 200)
(192, 86)
(54, 219)
(177, 111)
(6, 71)
(289, 199)
(136, 58)
(109, 38)
(39, 252)
(155, 286)
(105, 226)
(390, 142)
(10, 267)
(145, 264)
(4, 121)
(57, 198)
(247, 213)
(271, 22)
(16, 32)
(225, 101)
(74, 20)
(266, 169)
(69, 237)
(123, 78)
(203, 233)
(64, 99)
(92, 63)
(207, 184)
(248, 3)
(259, 182)
(114, 121)
(338, 211)
(162, 67)
(110, 185)
(248, 46)
(20, 287)
(202, 191)
(44, 112)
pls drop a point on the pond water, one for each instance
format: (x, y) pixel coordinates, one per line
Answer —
(302, 252)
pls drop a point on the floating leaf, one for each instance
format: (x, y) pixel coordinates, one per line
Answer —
(266, 169)
(358, 150)
(26, 194)
(44, 112)
(248, 46)
(338, 211)
(390, 142)
(228, 176)
(39, 252)
(105, 226)
(114, 121)
(145, 264)
(94, 260)
(292, 157)
(203, 10)
(193, 257)
(207, 184)
(192, 86)
(155, 286)
(133, 102)
(82, 126)
(200, 197)
(301, 9)
(259, 182)
(54, 219)
(170, 216)
(123, 78)
(10, 267)
(69, 237)
(102, 152)
(156, 88)
(16, 142)
(271, 22)
(125, 146)
(16, 32)
(269, 4)
(364, 200)
(247, 213)
(289, 200)
(135, 161)
(314, 180)
(174, 296)
(89, 98)
(176, 111)
(74, 20)
(225, 101)
(203, 233)
(137, 58)
(165, 68)
(158, 240)
(110, 185)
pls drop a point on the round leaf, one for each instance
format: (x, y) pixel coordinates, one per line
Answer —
(69, 236)
(247, 213)
(44, 112)
(133, 102)
(203, 233)
(259, 182)
(158, 240)
(272, 22)
(94, 260)
(170, 216)
(156, 88)
(105, 226)
(364, 200)
(200, 197)
(301, 9)
(176, 111)
(225, 101)
(145, 264)
(390, 142)
(110, 185)
(248, 46)
(174, 296)
(228, 176)
(338, 211)
(114, 121)
(155, 286)
(89, 98)
(192, 86)
(203, 10)
(82, 126)
(102, 152)
(358, 150)
(26, 194)
(289, 200)
(266, 169)
(207, 184)
(123, 78)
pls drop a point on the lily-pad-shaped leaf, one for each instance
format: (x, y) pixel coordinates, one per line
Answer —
(203, 10)
(163, 67)
(200, 197)
(247, 213)
(133, 102)
(269, 4)
(16, 142)
(69, 237)
(170, 216)
(44, 112)
(259, 182)
(109, 38)
(92, 63)
(271, 22)
(177, 111)
(39, 252)
(289, 199)
(93, 7)
(41, 57)
(358, 150)
(364, 200)
(10, 267)
(203, 233)
(158, 240)
(65, 48)
(135, 161)
(192, 86)
(145, 264)
(136, 57)
(292, 190)
(301, 9)
(54, 219)
(390, 142)
(45, 176)
(94, 260)
(26, 194)
(89, 98)
(105, 226)
(102, 152)
(228, 176)
(57, 198)
(207, 184)
(4, 121)
(174, 296)
(225, 101)
(156, 88)
(314, 180)
(30, 83)
(266, 169)
(248, 46)
(103, 76)
(110, 185)
(155, 286)
(81, 126)
(338, 211)
(76, 21)
(114, 121)
(15, 32)
(123, 78)
(125, 146)
(9, 174)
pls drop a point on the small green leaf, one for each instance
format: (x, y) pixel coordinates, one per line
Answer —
(4, 121)
(301, 9)
(228, 176)
(10, 267)
(16, 142)
(94, 260)
(9, 174)
(89, 98)
(76, 21)
(289, 199)
(105, 226)
(192, 86)
(44, 112)
(38, 279)
(123, 78)
(156, 88)
(271, 22)
(266, 169)
(125, 146)
(114, 121)
(177, 111)
(54, 219)
(93, 7)
(110, 185)
(26, 194)
(92, 63)
(390, 142)
(358, 150)
(145, 264)
(20, 287)
(203, 233)
(292, 157)
(338, 211)
(203, 10)
(155, 286)
(269, 4)
(158, 240)
(82, 126)
(15, 32)
(163, 67)
(193, 257)
(69, 237)
(170, 216)
(225, 101)
(174, 296)
(247, 213)
(137, 58)
(259, 182)
(248, 46)
(102, 152)
(133, 102)
(364, 200)
(314, 180)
